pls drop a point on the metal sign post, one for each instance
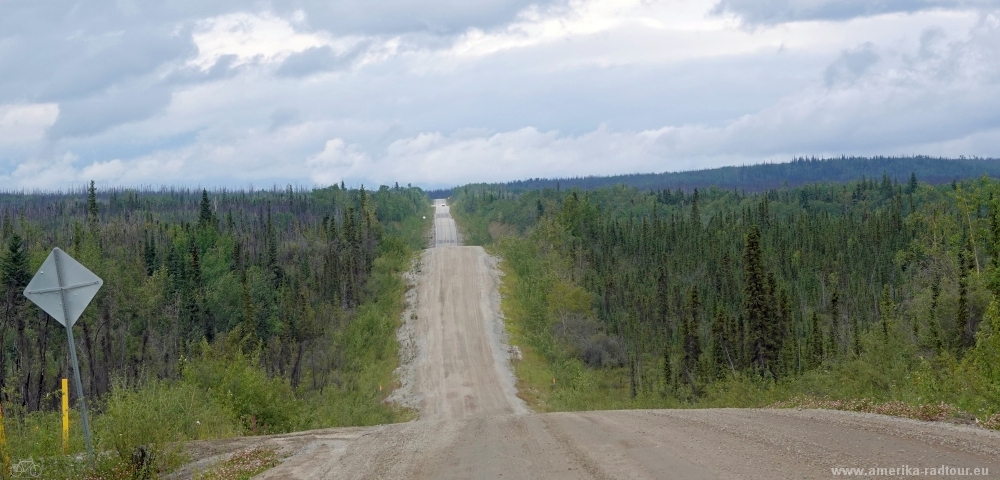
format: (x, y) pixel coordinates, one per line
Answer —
(63, 288)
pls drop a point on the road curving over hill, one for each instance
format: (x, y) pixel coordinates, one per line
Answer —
(472, 424)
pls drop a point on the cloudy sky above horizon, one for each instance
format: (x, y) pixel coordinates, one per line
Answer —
(447, 92)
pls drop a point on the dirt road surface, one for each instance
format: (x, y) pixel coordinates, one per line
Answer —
(472, 424)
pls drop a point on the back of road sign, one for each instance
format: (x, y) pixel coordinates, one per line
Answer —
(79, 284)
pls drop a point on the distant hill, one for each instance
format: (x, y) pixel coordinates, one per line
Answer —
(752, 178)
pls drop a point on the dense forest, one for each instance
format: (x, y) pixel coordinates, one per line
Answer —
(766, 176)
(250, 301)
(869, 289)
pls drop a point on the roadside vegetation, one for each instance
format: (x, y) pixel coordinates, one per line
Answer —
(871, 295)
(223, 314)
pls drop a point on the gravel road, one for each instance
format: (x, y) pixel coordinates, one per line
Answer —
(472, 424)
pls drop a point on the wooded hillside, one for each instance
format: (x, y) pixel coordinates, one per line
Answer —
(766, 176)
(871, 289)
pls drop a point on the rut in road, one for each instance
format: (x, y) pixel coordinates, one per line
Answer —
(472, 424)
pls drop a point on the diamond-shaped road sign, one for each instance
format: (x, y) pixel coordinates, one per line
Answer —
(62, 273)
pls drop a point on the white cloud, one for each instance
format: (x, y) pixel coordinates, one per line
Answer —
(336, 162)
(43, 174)
(110, 171)
(262, 37)
(26, 123)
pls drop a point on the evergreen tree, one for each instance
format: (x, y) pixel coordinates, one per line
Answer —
(197, 285)
(15, 265)
(856, 335)
(834, 348)
(993, 245)
(720, 345)
(92, 202)
(205, 216)
(149, 254)
(786, 344)
(755, 303)
(815, 344)
(668, 374)
(271, 258)
(692, 342)
(886, 309)
(695, 215)
(911, 186)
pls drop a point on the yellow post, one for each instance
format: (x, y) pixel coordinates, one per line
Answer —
(4, 454)
(65, 410)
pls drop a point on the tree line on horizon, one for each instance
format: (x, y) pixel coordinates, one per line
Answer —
(766, 176)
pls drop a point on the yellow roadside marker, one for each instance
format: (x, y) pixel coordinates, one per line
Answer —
(65, 412)
(4, 454)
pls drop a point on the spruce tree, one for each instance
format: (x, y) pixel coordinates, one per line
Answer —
(835, 323)
(205, 216)
(993, 245)
(887, 310)
(815, 344)
(855, 335)
(695, 215)
(786, 344)
(271, 252)
(92, 202)
(772, 343)
(668, 374)
(149, 254)
(755, 307)
(911, 186)
(720, 354)
(15, 265)
(195, 270)
(692, 342)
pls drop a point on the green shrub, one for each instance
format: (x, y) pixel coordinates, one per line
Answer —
(140, 425)
(261, 404)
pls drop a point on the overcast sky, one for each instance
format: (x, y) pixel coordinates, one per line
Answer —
(445, 92)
